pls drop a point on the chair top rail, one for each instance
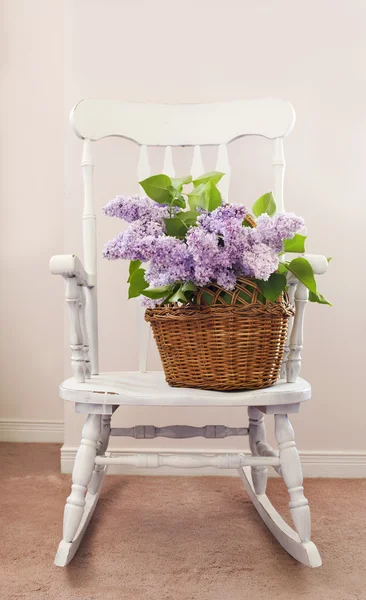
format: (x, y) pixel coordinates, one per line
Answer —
(182, 124)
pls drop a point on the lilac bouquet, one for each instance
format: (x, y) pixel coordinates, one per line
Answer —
(190, 240)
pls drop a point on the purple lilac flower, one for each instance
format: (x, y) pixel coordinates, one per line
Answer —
(208, 256)
(170, 261)
(136, 208)
(217, 249)
(258, 259)
(136, 243)
(147, 224)
(226, 278)
(148, 302)
(223, 217)
(282, 226)
(227, 222)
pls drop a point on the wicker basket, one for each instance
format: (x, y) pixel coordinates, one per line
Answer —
(226, 341)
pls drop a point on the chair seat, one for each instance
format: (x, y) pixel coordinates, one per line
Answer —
(151, 389)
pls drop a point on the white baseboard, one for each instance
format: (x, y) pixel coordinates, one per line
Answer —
(317, 463)
(334, 463)
(31, 431)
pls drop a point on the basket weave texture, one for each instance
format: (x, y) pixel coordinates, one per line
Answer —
(226, 341)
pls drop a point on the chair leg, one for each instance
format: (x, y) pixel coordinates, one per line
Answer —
(102, 445)
(257, 433)
(292, 474)
(81, 476)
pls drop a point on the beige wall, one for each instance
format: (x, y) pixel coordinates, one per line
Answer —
(309, 53)
(32, 198)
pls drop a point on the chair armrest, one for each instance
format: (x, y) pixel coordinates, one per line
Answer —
(318, 262)
(68, 265)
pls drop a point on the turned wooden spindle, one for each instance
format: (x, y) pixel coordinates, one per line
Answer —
(292, 475)
(291, 293)
(76, 336)
(90, 253)
(168, 167)
(197, 167)
(293, 363)
(152, 460)
(279, 166)
(84, 332)
(257, 433)
(223, 165)
(143, 328)
(81, 476)
(149, 432)
(102, 446)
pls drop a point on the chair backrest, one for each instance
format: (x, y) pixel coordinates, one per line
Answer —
(196, 125)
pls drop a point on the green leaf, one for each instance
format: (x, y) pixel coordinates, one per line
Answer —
(199, 197)
(178, 296)
(174, 289)
(176, 227)
(215, 199)
(227, 298)
(318, 298)
(157, 292)
(134, 265)
(188, 216)
(137, 283)
(157, 188)
(282, 268)
(213, 176)
(273, 287)
(303, 271)
(296, 244)
(207, 298)
(178, 182)
(244, 295)
(177, 199)
(329, 259)
(189, 286)
(265, 204)
(206, 195)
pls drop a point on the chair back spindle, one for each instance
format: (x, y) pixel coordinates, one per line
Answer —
(90, 254)
(223, 165)
(143, 167)
(143, 328)
(279, 165)
(197, 167)
(168, 167)
(84, 331)
(291, 294)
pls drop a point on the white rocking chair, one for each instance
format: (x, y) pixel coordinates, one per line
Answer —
(99, 394)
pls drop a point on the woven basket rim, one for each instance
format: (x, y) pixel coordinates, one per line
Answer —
(194, 311)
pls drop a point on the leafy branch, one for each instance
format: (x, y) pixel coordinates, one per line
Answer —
(166, 190)
(205, 195)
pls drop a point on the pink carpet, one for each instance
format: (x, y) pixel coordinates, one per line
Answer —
(171, 538)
